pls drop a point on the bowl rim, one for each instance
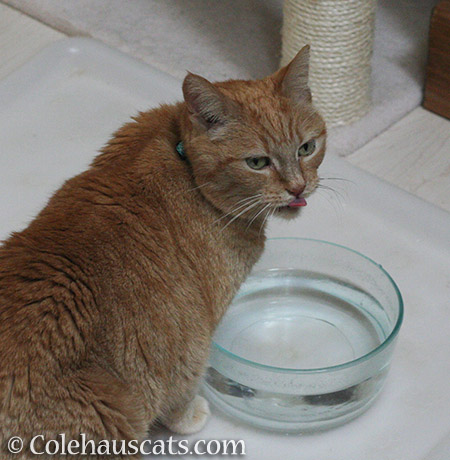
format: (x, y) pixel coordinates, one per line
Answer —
(336, 367)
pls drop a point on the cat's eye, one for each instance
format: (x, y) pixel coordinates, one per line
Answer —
(258, 162)
(307, 149)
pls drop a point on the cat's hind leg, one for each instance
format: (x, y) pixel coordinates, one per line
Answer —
(90, 401)
(111, 407)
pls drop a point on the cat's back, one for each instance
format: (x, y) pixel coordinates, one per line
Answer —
(122, 277)
(134, 224)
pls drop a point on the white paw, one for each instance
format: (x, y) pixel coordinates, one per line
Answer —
(195, 417)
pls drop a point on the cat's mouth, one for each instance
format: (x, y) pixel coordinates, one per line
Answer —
(297, 203)
(289, 210)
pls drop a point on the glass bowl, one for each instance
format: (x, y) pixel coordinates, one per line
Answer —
(307, 341)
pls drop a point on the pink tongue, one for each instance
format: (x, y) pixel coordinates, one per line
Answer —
(297, 203)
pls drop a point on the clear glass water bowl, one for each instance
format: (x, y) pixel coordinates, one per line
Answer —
(307, 342)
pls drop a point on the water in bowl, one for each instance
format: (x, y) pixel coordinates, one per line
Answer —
(295, 319)
(300, 320)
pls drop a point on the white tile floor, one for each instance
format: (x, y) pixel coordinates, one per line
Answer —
(414, 153)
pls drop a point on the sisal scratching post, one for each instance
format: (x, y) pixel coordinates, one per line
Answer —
(340, 33)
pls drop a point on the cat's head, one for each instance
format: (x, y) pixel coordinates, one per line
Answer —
(255, 146)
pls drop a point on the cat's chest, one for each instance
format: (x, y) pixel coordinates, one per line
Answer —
(212, 261)
(227, 261)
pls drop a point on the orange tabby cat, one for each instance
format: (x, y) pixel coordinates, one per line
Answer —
(109, 299)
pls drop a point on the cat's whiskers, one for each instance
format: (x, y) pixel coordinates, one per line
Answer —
(336, 192)
(234, 210)
(238, 206)
(270, 212)
(340, 180)
(249, 206)
(336, 178)
(332, 200)
(249, 198)
(257, 214)
(199, 186)
(342, 191)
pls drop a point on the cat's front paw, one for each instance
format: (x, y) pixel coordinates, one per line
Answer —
(194, 418)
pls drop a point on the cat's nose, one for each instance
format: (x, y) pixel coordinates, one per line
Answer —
(296, 191)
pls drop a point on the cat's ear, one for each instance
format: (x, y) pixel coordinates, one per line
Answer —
(292, 80)
(206, 104)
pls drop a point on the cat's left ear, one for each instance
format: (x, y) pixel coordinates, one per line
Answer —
(292, 79)
(208, 107)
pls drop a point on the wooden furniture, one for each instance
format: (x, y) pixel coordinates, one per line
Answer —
(437, 87)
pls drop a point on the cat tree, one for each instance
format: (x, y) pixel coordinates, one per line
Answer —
(340, 33)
